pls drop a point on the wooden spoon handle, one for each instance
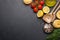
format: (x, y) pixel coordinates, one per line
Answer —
(55, 7)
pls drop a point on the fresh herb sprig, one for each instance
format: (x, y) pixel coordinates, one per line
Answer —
(54, 36)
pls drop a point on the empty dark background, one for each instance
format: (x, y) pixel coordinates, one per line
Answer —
(19, 22)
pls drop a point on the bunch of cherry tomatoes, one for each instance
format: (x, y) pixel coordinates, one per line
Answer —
(37, 5)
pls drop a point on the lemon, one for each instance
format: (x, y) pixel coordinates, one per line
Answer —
(46, 9)
(40, 13)
(27, 1)
(58, 14)
(56, 24)
(50, 3)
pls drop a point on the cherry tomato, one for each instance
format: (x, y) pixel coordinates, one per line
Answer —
(41, 2)
(39, 7)
(35, 10)
(33, 5)
(36, 1)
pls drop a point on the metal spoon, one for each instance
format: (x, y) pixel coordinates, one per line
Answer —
(50, 16)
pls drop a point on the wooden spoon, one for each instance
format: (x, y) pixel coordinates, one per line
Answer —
(50, 16)
(55, 13)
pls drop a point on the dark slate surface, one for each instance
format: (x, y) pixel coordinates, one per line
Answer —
(19, 22)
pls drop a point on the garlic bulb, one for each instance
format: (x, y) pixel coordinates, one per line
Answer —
(48, 28)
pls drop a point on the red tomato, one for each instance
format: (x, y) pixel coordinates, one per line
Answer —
(39, 7)
(35, 10)
(33, 5)
(41, 2)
